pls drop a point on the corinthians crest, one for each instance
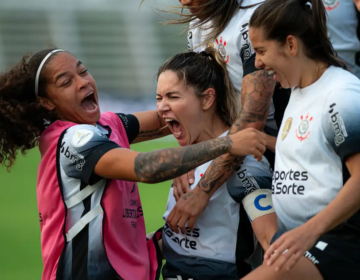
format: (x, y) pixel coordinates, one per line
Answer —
(331, 4)
(303, 130)
(221, 47)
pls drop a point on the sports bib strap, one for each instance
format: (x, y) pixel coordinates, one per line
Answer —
(80, 196)
(258, 204)
(92, 214)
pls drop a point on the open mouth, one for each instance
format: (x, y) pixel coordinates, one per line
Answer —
(89, 103)
(174, 126)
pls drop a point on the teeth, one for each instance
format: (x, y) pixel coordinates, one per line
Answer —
(177, 133)
(271, 72)
(168, 120)
(90, 93)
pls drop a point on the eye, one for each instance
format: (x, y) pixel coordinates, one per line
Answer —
(158, 98)
(84, 72)
(66, 83)
(173, 97)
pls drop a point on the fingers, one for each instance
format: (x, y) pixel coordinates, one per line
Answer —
(176, 194)
(182, 223)
(191, 178)
(173, 220)
(191, 223)
(293, 260)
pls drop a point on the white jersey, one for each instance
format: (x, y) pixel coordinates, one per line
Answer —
(215, 235)
(342, 24)
(320, 129)
(233, 45)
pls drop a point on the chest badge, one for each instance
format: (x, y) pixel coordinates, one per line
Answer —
(221, 47)
(304, 128)
(286, 129)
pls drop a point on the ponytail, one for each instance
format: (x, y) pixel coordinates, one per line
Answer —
(304, 19)
(206, 70)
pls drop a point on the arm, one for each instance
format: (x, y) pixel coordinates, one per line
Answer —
(270, 143)
(151, 126)
(337, 211)
(264, 228)
(162, 165)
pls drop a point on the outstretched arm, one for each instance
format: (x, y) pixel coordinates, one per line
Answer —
(256, 93)
(162, 165)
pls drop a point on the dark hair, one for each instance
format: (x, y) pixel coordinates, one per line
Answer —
(304, 19)
(206, 70)
(219, 12)
(22, 118)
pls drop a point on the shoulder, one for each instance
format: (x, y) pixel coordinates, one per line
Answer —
(80, 135)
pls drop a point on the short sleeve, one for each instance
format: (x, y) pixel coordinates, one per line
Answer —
(249, 177)
(131, 124)
(81, 147)
(341, 120)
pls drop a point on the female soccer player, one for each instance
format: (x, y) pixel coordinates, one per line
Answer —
(92, 224)
(198, 102)
(316, 183)
(342, 25)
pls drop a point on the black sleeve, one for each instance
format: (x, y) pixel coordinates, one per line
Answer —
(81, 148)
(131, 124)
(249, 65)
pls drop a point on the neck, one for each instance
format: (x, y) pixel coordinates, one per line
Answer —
(213, 127)
(311, 72)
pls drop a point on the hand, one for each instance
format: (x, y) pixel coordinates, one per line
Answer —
(290, 247)
(248, 141)
(181, 185)
(188, 209)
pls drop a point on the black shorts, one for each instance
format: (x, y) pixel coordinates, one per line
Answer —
(337, 254)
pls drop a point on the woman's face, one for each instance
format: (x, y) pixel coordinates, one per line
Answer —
(71, 90)
(194, 4)
(181, 109)
(278, 60)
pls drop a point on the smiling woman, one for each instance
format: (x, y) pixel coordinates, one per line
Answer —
(91, 215)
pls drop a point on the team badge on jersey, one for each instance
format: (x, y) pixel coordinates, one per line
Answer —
(331, 4)
(221, 47)
(286, 128)
(81, 137)
(303, 131)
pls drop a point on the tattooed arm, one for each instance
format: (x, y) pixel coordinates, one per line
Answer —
(151, 126)
(162, 165)
(256, 93)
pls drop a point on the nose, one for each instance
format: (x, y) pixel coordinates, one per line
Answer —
(185, 2)
(258, 62)
(82, 82)
(162, 106)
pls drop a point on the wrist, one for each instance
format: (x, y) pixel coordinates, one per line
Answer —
(201, 193)
(316, 227)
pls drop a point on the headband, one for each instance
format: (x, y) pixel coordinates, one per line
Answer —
(41, 66)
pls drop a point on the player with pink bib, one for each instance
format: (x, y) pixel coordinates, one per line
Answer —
(91, 219)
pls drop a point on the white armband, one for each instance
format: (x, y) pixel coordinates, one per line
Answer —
(258, 204)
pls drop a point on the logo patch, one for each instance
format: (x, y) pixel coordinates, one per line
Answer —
(81, 137)
(338, 125)
(286, 129)
(331, 4)
(221, 47)
(303, 131)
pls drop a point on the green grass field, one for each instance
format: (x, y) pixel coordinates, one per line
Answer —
(20, 256)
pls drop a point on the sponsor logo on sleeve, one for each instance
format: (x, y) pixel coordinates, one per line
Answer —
(81, 137)
(246, 49)
(338, 125)
(73, 156)
(248, 181)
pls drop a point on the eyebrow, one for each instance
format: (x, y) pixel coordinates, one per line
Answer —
(65, 73)
(169, 93)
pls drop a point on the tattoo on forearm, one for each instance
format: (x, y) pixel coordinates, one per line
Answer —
(258, 88)
(185, 196)
(166, 164)
(154, 132)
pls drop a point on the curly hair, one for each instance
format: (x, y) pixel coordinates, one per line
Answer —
(22, 118)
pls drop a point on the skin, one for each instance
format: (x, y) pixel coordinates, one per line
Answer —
(192, 5)
(178, 101)
(357, 4)
(68, 83)
(292, 264)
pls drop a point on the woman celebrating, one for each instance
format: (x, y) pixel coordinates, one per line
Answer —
(196, 86)
(92, 225)
(316, 182)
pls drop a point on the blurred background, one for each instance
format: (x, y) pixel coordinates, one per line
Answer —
(122, 45)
